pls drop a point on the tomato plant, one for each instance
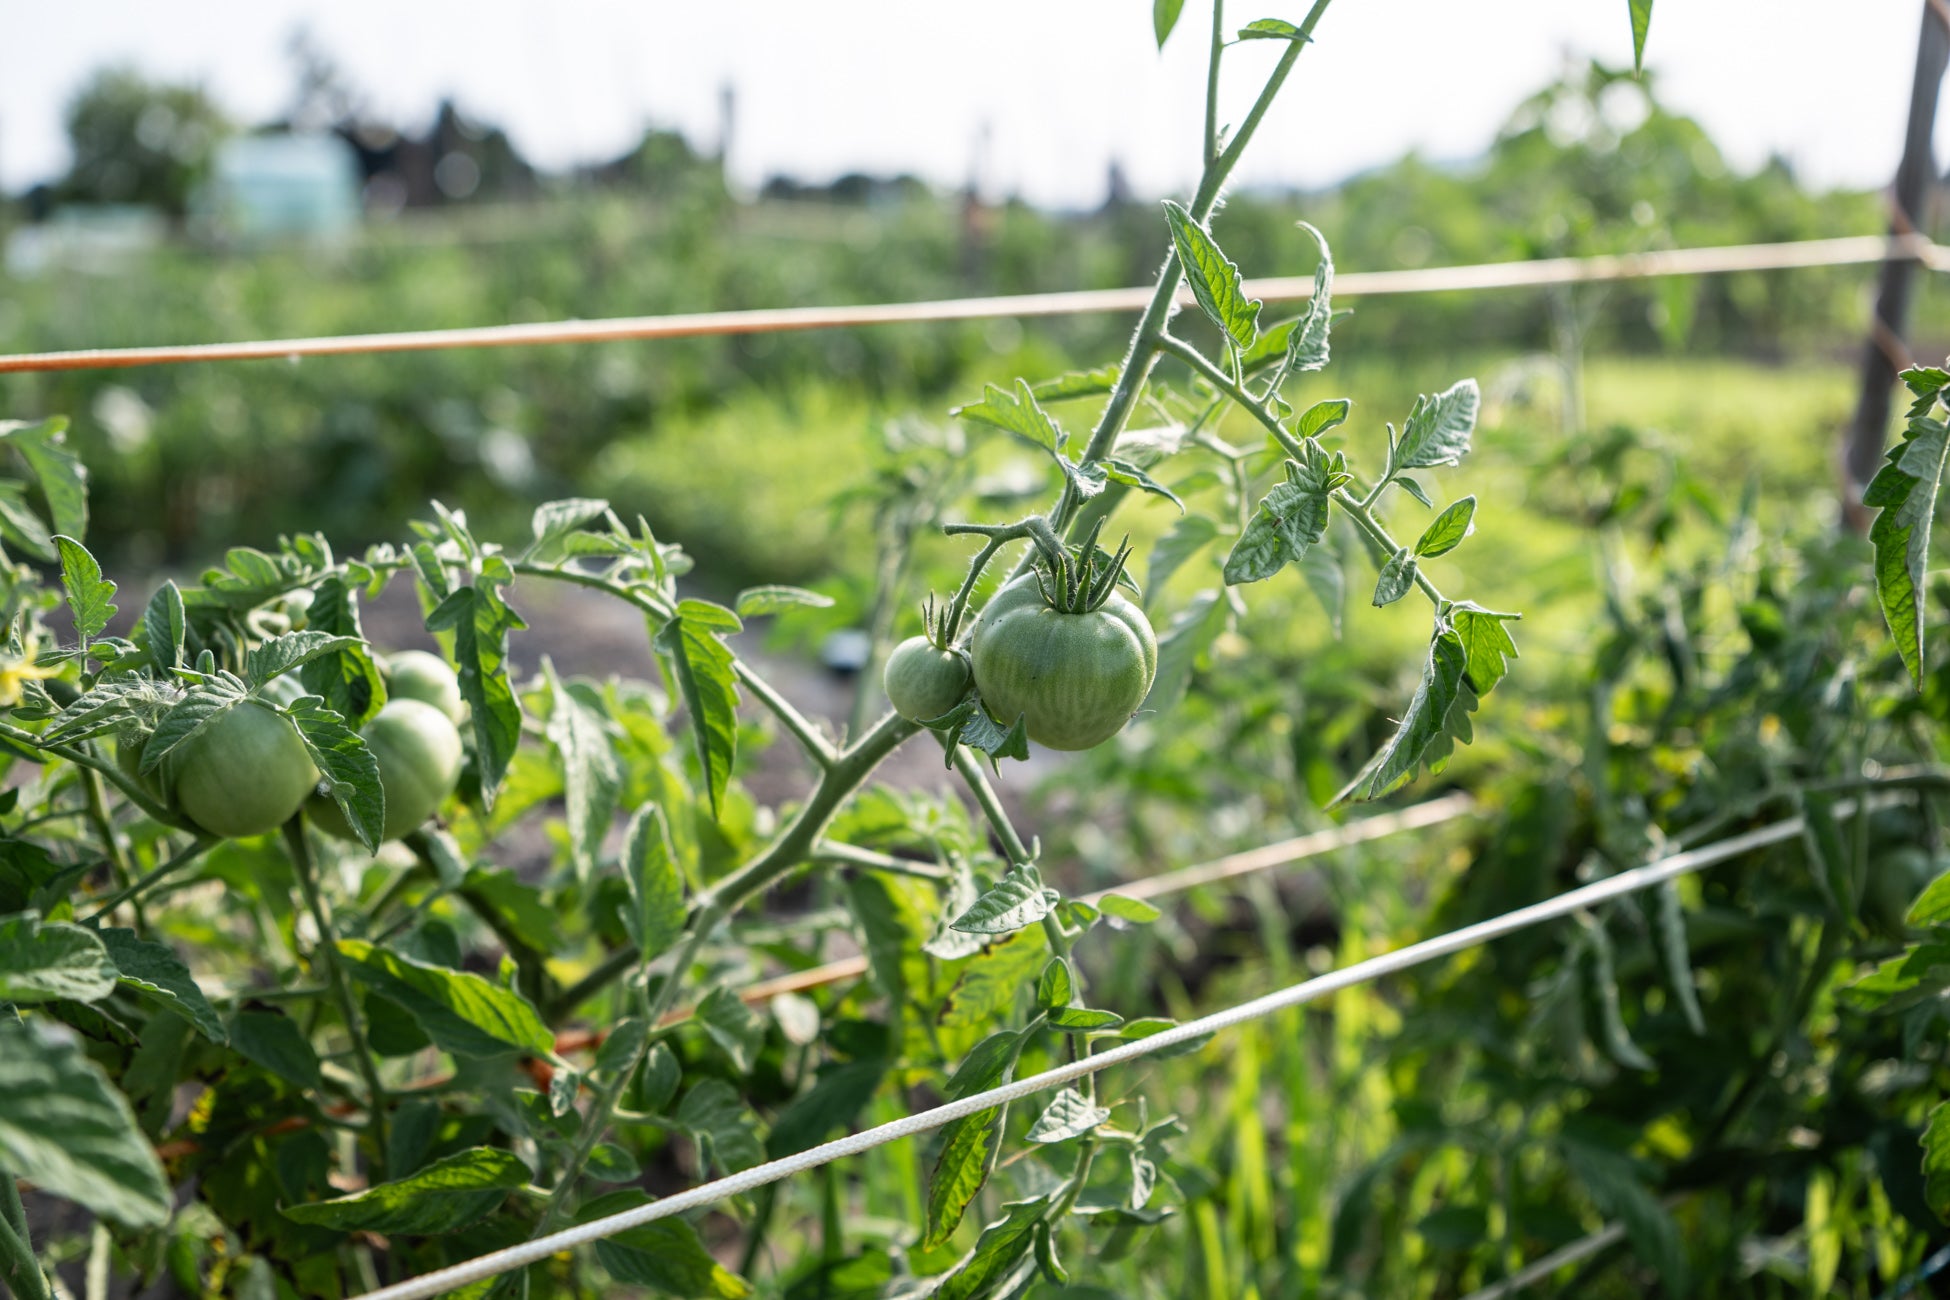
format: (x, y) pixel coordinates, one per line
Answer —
(518, 983)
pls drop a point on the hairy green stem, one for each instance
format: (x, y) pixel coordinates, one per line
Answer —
(22, 1271)
(136, 888)
(1212, 61)
(852, 855)
(969, 768)
(793, 845)
(82, 759)
(1361, 515)
(327, 952)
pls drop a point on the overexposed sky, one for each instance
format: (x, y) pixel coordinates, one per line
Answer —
(1059, 87)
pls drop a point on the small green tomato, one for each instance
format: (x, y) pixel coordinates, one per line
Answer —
(1074, 678)
(924, 681)
(419, 757)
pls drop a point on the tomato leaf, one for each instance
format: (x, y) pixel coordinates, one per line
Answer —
(1017, 411)
(1164, 17)
(1083, 1020)
(1168, 554)
(1322, 416)
(1056, 985)
(47, 963)
(445, 1196)
(1191, 632)
(1306, 347)
(1291, 518)
(656, 916)
(990, 983)
(1003, 1246)
(1214, 278)
(58, 472)
(65, 1129)
(1641, 24)
(1077, 383)
(1438, 428)
(968, 723)
(1123, 471)
(1427, 724)
(969, 1146)
(164, 627)
(723, 1124)
(155, 969)
(204, 703)
(732, 1026)
(480, 621)
(1396, 577)
(579, 729)
(664, 1254)
(1936, 1160)
(1133, 910)
(350, 772)
(1068, 1115)
(460, 1011)
(1271, 29)
(103, 707)
(553, 521)
(771, 599)
(274, 1041)
(89, 594)
(1904, 492)
(1018, 899)
(693, 644)
(347, 679)
(835, 1100)
(281, 654)
(1448, 529)
(1486, 643)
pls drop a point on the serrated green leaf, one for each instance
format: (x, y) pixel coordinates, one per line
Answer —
(553, 521)
(1164, 17)
(274, 1041)
(1396, 577)
(1449, 528)
(1618, 1039)
(447, 1195)
(656, 883)
(1214, 278)
(1904, 492)
(203, 704)
(1936, 1160)
(580, 731)
(968, 723)
(292, 650)
(460, 1011)
(21, 527)
(50, 962)
(1615, 1184)
(103, 707)
(1068, 1115)
(1677, 956)
(1306, 347)
(1932, 906)
(702, 664)
(1486, 643)
(65, 1129)
(1641, 23)
(719, 1119)
(89, 594)
(1015, 410)
(155, 969)
(830, 1106)
(349, 771)
(754, 601)
(1003, 1247)
(346, 679)
(992, 981)
(1055, 985)
(664, 1254)
(1271, 29)
(61, 476)
(480, 621)
(1422, 726)
(164, 626)
(1083, 1020)
(969, 1146)
(732, 1026)
(1018, 899)
(1133, 910)
(1322, 416)
(1439, 427)
(1077, 383)
(1290, 519)
(1123, 471)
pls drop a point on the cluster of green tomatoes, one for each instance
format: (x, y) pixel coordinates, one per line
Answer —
(248, 772)
(1073, 666)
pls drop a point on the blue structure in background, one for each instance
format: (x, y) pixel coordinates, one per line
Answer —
(282, 185)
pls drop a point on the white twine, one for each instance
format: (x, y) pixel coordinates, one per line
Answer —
(1469, 936)
(1798, 254)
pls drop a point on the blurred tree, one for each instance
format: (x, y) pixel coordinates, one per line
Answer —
(138, 141)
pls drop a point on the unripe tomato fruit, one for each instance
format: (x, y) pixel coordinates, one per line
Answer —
(1075, 679)
(419, 755)
(924, 681)
(417, 675)
(244, 774)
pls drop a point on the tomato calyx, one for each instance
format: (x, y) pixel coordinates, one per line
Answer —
(1082, 579)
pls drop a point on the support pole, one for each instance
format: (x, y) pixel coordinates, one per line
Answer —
(1885, 352)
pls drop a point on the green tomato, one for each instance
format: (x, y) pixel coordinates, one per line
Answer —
(244, 774)
(1075, 679)
(157, 784)
(419, 756)
(417, 675)
(923, 681)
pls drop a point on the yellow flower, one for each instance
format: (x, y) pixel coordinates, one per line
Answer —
(16, 670)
